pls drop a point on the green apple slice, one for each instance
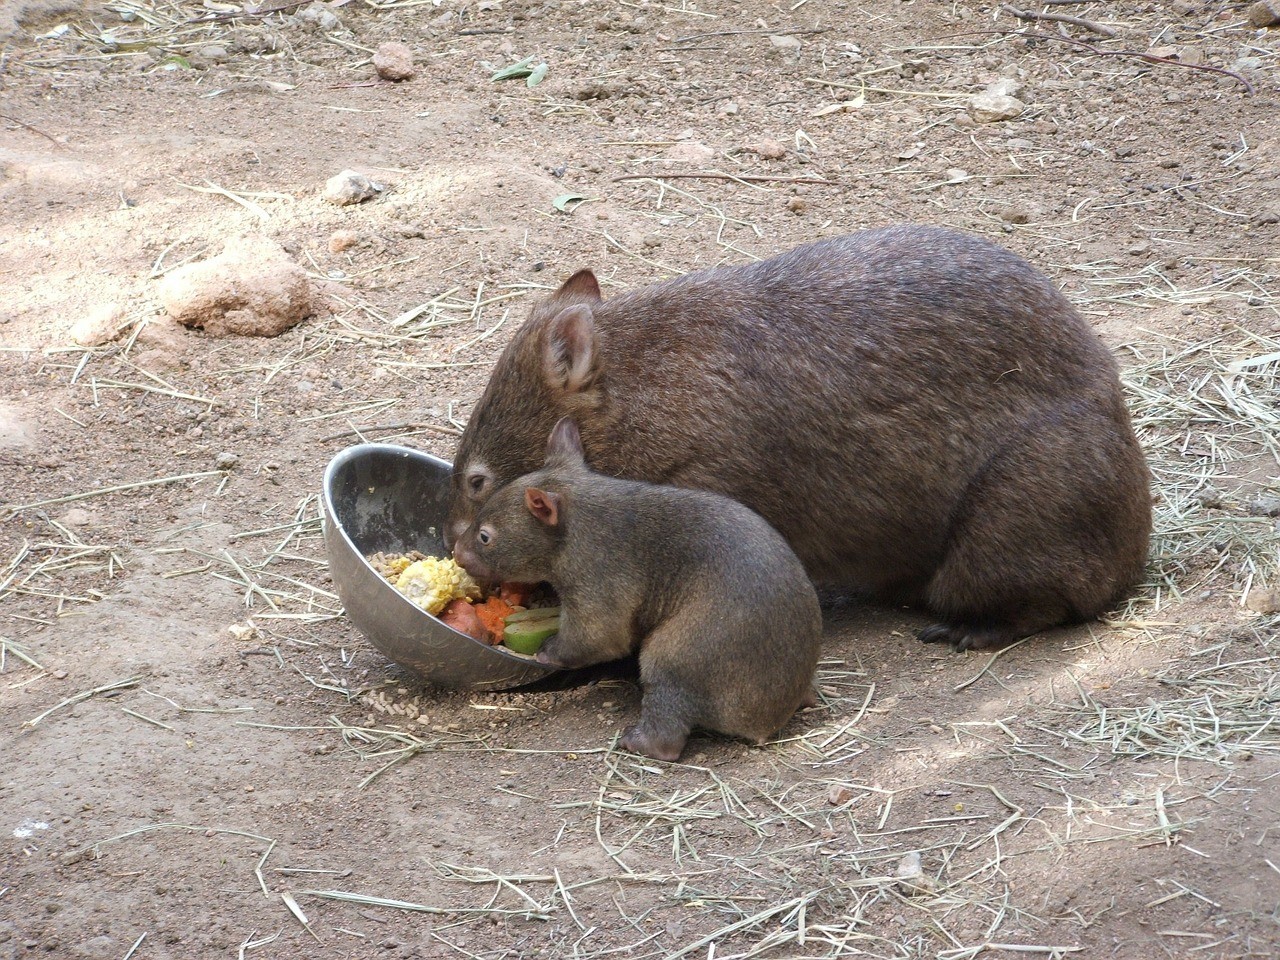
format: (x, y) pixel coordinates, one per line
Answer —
(529, 636)
(535, 613)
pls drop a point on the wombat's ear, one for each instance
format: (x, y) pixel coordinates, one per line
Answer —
(569, 358)
(582, 286)
(565, 442)
(544, 505)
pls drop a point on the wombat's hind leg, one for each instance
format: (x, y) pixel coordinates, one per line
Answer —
(659, 744)
(965, 637)
(663, 727)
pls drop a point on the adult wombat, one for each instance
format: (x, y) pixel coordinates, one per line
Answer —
(725, 620)
(921, 414)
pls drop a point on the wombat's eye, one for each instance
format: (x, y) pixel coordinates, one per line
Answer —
(476, 483)
(484, 536)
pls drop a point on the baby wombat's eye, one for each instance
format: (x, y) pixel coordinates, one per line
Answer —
(484, 535)
(476, 483)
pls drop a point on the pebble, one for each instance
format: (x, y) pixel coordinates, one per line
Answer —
(1264, 13)
(1006, 87)
(75, 517)
(768, 149)
(349, 187)
(652, 240)
(797, 205)
(226, 461)
(394, 61)
(986, 107)
(910, 875)
(100, 325)
(727, 109)
(1264, 600)
(213, 53)
(341, 240)
(1265, 507)
(785, 43)
(1017, 213)
(839, 794)
(319, 17)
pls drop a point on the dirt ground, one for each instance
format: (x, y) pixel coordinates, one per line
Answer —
(171, 787)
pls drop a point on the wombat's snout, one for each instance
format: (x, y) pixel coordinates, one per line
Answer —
(453, 531)
(471, 563)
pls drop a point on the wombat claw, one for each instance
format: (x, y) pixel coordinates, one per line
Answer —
(636, 740)
(963, 638)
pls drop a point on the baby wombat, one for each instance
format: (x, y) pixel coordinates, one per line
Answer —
(920, 413)
(726, 622)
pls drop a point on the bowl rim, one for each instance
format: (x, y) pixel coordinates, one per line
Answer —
(340, 460)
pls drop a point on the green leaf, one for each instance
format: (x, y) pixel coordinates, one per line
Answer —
(517, 71)
(536, 76)
(568, 202)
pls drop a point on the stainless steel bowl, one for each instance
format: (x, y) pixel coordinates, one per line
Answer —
(380, 498)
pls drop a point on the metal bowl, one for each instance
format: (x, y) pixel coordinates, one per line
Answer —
(380, 498)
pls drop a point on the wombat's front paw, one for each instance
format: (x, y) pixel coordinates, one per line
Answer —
(646, 742)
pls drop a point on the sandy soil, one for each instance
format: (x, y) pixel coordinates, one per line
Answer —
(178, 787)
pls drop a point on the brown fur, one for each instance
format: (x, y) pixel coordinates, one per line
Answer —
(726, 622)
(921, 414)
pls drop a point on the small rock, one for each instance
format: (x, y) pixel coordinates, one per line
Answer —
(797, 205)
(1139, 249)
(349, 187)
(727, 109)
(250, 289)
(60, 674)
(1210, 497)
(1264, 13)
(838, 794)
(1264, 600)
(318, 17)
(226, 461)
(100, 325)
(1006, 87)
(910, 875)
(785, 42)
(1267, 217)
(213, 53)
(1016, 213)
(1265, 507)
(768, 149)
(409, 231)
(1248, 65)
(394, 61)
(75, 517)
(341, 240)
(652, 240)
(993, 107)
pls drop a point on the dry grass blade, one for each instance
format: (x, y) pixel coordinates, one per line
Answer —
(85, 695)
(14, 509)
(368, 901)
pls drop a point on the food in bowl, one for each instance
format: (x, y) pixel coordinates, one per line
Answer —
(445, 590)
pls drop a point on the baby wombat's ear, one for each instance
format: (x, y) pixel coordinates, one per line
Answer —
(582, 286)
(544, 505)
(570, 358)
(565, 442)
